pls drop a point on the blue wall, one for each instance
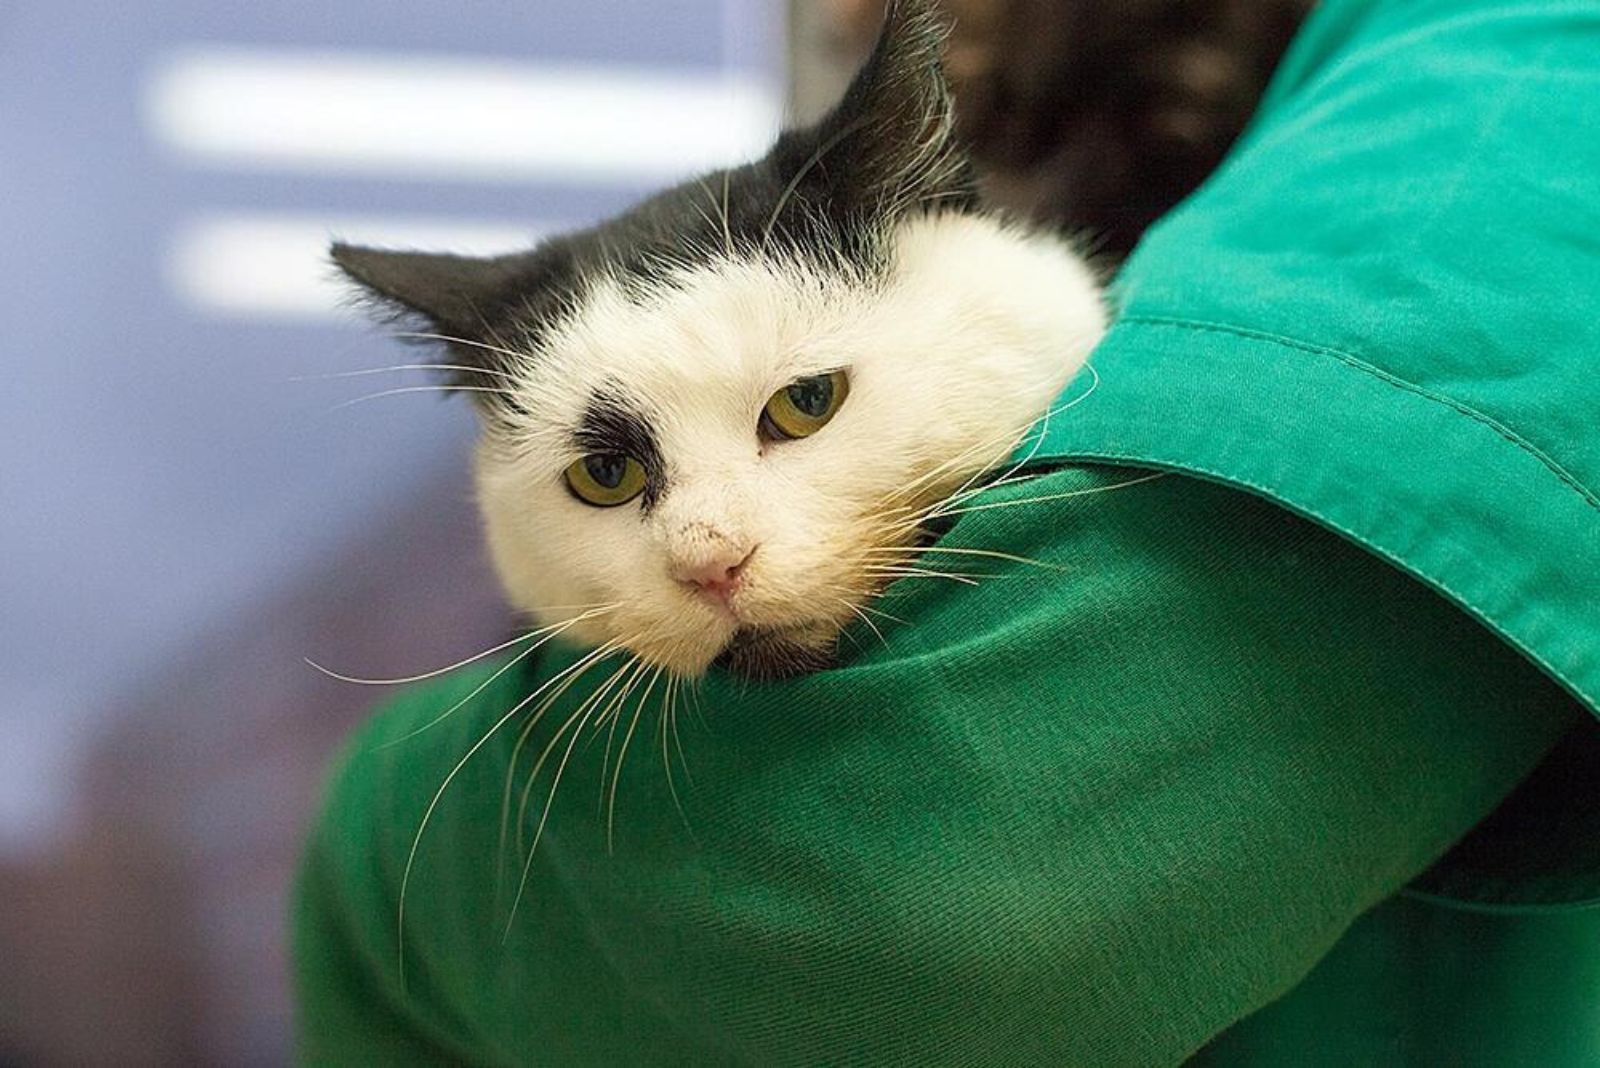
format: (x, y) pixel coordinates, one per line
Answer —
(161, 468)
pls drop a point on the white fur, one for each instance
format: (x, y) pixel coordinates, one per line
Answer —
(964, 342)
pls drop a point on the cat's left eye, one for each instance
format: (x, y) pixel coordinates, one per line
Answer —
(606, 479)
(804, 406)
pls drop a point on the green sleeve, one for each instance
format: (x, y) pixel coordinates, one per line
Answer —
(1090, 810)
(351, 1009)
(347, 1017)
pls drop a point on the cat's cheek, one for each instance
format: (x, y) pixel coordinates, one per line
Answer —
(535, 547)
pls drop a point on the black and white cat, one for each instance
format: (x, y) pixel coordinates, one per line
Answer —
(710, 424)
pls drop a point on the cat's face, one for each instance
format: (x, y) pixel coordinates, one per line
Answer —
(746, 528)
(712, 423)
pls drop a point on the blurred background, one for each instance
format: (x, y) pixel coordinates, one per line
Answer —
(185, 509)
(190, 507)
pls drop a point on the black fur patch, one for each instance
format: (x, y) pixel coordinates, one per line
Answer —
(826, 193)
(767, 656)
(610, 425)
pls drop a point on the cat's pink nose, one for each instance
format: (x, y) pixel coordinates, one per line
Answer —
(717, 576)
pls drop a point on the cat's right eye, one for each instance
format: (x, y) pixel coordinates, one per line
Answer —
(606, 479)
(804, 406)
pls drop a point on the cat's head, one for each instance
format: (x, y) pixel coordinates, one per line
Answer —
(709, 423)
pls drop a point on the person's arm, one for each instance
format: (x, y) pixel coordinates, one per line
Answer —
(351, 1006)
(348, 1015)
(1090, 812)
(1093, 812)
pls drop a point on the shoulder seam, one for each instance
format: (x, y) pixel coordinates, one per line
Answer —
(1567, 478)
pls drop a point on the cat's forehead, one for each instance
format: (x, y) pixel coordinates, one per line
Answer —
(672, 287)
(728, 327)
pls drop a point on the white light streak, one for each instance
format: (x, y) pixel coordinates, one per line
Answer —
(276, 267)
(454, 118)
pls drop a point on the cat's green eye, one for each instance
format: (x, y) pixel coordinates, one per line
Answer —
(606, 479)
(804, 406)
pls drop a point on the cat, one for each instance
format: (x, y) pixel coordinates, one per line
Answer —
(712, 425)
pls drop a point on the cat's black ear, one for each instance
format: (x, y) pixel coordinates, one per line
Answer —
(891, 143)
(454, 295)
(470, 305)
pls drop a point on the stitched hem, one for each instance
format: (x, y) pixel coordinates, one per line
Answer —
(1567, 478)
(1393, 467)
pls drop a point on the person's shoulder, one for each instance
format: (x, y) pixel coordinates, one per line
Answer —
(348, 910)
(382, 789)
(380, 783)
(429, 704)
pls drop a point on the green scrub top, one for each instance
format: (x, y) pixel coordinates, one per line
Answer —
(1166, 785)
(1381, 314)
(1086, 813)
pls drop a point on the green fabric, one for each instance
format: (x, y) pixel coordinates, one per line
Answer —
(1382, 311)
(1381, 314)
(1084, 814)
(1423, 982)
(1094, 815)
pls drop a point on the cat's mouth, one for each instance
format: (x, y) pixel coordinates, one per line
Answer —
(769, 653)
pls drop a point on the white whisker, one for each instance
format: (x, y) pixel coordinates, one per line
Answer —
(622, 755)
(499, 349)
(991, 553)
(575, 722)
(921, 572)
(516, 754)
(867, 620)
(1058, 496)
(590, 611)
(433, 803)
(394, 368)
(401, 390)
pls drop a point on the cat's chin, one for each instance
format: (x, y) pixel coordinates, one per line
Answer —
(768, 653)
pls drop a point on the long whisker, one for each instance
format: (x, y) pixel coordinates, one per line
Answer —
(882, 614)
(677, 739)
(1058, 496)
(993, 554)
(592, 701)
(607, 721)
(865, 619)
(394, 368)
(590, 612)
(1010, 433)
(969, 488)
(544, 817)
(927, 478)
(516, 754)
(433, 804)
(401, 390)
(494, 335)
(1039, 428)
(576, 722)
(920, 572)
(694, 705)
(622, 755)
(499, 349)
(669, 700)
(968, 491)
(476, 690)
